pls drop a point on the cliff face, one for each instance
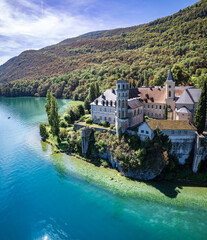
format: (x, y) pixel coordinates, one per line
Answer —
(145, 172)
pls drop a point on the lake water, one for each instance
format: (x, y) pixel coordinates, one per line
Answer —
(38, 200)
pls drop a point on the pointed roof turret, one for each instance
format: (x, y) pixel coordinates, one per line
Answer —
(170, 76)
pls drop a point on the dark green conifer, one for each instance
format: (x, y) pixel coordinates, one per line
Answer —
(92, 93)
(54, 117)
(48, 105)
(166, 112)
(200, 116)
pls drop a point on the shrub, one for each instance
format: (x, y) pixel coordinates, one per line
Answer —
(67, 118)
(63, 124)
(63, 133)
(105, 123)
(112, 126)
(89, 120)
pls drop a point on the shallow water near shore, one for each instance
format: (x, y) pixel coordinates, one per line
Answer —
(45, 196)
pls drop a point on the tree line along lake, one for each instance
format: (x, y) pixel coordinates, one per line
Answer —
(54, 196)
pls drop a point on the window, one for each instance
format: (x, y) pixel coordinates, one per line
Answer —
(122, 103)
(118, 86)
(172, 131)
(160, 107)
(148, 106)
(109, 119)
(169, 86)
(142, 131)
(123, 86)
(119, 103)
(100, 109)
(151, 114)
(179, 131)
(105, 118)
(155, 106)
(152, 106)
(105, 110)
(169, 93)
(164, 107)
(119, 114)
(100, 117)
(147, 132)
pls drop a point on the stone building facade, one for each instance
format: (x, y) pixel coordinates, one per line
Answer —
(125, 107)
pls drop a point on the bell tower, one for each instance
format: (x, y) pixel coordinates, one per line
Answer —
(170, 91)
(122, 96)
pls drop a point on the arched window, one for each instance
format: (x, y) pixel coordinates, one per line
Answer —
(122, 103)
(169, 93)
(123, 86)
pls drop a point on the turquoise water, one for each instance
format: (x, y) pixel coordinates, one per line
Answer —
(40, 201)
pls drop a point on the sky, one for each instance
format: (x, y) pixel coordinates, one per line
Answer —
(34, 24)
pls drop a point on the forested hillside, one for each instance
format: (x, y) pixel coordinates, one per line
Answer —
(143, 54)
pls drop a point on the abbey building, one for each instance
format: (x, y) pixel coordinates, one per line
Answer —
(126, 107)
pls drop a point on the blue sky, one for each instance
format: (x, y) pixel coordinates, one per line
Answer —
(34, 24)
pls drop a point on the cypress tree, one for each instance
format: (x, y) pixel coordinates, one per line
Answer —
(97, 90)
(166, 112)
(81, 109)
(200, 116)
(87, 104)
(92, 93)
(43, 132)
(72, 116)
(48, 105)
(54, 117)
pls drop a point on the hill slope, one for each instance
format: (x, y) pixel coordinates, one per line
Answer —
(142, 53)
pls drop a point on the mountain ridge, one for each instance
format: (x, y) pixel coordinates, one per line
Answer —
(142, 53)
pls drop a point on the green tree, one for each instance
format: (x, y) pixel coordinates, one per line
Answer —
(55, 120)
(92, 93)
(180, 75)
(72, 116)
(87, 104)
(166, 112)
(48, 105)
(43, 132)
(200, 116)
(81, 109)
(97, 90)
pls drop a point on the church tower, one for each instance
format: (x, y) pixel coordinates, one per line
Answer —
(170, 94)
(122, 95)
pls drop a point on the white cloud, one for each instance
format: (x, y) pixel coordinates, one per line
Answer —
(26, 25)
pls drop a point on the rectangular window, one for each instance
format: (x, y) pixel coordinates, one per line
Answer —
(147, 132)
(152, 106)
(160, 107)
(142, 131)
